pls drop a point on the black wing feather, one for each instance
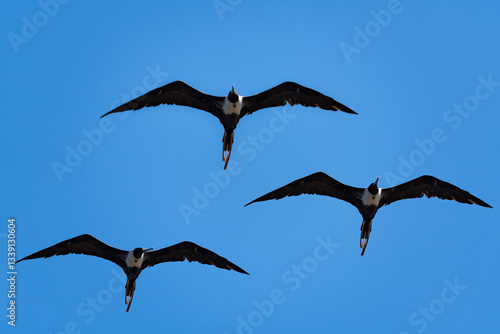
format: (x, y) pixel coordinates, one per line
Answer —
(318, 183)
(292, 93)
(429, 186)
(188, 251)
(178, 93)
(83, 244)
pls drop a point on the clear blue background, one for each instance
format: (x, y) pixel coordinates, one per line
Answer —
(129, 187)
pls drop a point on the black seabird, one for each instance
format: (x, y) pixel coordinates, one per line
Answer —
(231, 108)
(134, 261)
(369, 200)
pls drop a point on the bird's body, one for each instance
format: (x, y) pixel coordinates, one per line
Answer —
(231, 108)
(134, 261)
(369, 200)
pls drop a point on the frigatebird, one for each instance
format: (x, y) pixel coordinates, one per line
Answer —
(231, 108)
(134, 261)
(369, 200)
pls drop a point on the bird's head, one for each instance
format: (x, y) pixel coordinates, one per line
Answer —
(139, 251)
(232, 96)
(373, 188)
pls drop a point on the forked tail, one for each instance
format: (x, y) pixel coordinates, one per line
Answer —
(366, 228)
(129, 292)
(227, 141)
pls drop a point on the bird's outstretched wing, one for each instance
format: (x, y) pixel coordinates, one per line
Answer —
(83, 244)
(178, 93)
(293, 94)
(429, 186)
(188, 251)
(318, 183)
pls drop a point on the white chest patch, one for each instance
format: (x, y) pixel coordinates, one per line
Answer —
(232, 108)
(131, 261)
(369, 199)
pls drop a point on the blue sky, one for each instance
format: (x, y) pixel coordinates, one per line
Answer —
(424, 79)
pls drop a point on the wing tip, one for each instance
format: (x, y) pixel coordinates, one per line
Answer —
(238, 269)
(260, 199)
(347, 110)
(483, 203)
(249, 203)
(113, 111)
